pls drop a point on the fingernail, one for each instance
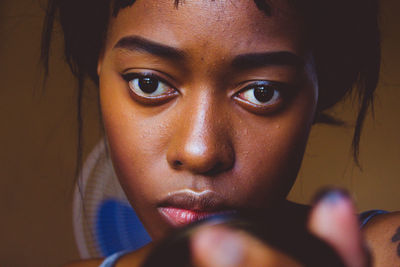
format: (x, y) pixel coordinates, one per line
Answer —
(331, 196)
(223, 247)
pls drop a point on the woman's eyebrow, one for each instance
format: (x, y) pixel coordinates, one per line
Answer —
(258, 60)
(243, 61)
(137, 43)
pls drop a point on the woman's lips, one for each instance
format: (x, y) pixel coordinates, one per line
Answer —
(179, 217)
(186, 206)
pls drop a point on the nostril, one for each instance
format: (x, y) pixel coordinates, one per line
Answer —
(177, 163)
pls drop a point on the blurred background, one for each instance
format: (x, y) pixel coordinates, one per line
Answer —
(38, 141)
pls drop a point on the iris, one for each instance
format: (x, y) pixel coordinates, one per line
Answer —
(263, 93)
(148, 84)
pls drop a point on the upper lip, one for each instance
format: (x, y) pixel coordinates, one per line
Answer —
(197, 201)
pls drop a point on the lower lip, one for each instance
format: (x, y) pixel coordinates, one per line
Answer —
(180, 217)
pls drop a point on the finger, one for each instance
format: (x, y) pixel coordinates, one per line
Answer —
(334, 220)
(218, 246)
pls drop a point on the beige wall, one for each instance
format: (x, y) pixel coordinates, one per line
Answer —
(328, 160)
(38, 133)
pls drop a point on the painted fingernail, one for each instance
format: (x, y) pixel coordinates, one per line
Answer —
(223, 247)
(331, 196)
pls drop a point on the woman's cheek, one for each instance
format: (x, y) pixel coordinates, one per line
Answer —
(270, 151)
(268, 177)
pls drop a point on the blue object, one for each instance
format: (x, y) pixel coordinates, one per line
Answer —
(118, 228)
(366, 216)
(111, 260)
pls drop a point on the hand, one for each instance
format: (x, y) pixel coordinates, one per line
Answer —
(333, 219)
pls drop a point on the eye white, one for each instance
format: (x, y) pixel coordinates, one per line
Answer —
(249, 96)
(162, 88)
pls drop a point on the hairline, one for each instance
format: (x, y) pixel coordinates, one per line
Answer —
(117, 5)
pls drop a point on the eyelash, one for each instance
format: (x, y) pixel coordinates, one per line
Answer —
(147, 98)
(279, 92)
(128, 77)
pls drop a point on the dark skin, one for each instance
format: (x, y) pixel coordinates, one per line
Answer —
(247, 153)
(396, 239)
(205, 129)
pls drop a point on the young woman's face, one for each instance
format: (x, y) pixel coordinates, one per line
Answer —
(207, 108)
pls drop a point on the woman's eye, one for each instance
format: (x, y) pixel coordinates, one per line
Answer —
(148, 86)
(149, 89)
(261, 95)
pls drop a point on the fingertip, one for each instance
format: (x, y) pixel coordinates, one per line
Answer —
(333, 207)
(217, 246)
(333, 219)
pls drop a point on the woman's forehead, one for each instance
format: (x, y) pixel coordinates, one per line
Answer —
(258, 10)
(262, 5)
(236, 24)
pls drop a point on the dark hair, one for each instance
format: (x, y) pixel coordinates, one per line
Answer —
(344, 36)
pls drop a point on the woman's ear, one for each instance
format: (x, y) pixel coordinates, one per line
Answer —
(99, 65)
(100, 62)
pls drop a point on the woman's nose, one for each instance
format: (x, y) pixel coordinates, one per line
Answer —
(201, 142)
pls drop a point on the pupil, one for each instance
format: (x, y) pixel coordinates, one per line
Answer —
(148, 85)
(263, 94)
